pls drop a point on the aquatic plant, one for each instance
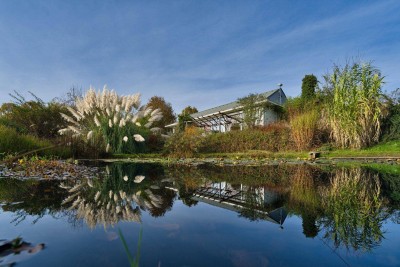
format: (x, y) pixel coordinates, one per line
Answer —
(118, 120)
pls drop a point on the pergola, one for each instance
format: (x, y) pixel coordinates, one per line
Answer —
(217, 119)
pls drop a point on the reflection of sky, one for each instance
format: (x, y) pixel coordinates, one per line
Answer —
(202, 235)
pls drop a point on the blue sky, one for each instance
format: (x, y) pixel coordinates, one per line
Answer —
(199, 53)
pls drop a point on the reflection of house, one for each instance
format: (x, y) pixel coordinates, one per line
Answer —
(223, 117)
(241, 198)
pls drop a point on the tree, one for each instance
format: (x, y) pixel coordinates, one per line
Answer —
(158, 102)
(308, 87)
(184, 116)
(253, 105)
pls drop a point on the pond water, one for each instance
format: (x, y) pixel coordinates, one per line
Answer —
(283, 215)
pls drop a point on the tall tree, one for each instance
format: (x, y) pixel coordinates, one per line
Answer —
(253, 105)
(184, 116)
(308, 87)
(168, 115)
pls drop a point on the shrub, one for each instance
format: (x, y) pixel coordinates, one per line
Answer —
(273, 137)
(185, 144)
(12, 142)
(304, 129)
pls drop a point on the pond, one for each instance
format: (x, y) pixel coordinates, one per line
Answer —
(206, 215)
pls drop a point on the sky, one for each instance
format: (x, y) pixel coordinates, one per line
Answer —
(198, 53)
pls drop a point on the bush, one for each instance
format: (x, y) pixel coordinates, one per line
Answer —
(185, 144)
(304, 130)
(274, 137)
(12, 142)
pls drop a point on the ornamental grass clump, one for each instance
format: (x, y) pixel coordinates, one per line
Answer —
(118, 121)
(356, 109)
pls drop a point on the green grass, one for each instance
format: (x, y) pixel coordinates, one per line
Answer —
(387, 149)
(12, 142)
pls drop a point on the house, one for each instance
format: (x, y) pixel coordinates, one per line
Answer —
(225, 117)
(230, 116)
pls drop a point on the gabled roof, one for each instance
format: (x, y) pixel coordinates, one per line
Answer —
(232, 105)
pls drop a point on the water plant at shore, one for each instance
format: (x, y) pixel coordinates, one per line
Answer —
(118, 121)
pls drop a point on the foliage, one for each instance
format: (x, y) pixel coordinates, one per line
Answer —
(185, 117)
(185, 144)
(133, 261)
(308, 87)
(274, 137)
(304, 129)
(253, 105)
(356, 110)
(117, 121)
(168, 116)
(13, 142)
(33, 117)
(354, 209)
(391, 124)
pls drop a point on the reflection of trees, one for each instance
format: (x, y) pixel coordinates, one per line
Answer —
(354, 209)
(31, 198)
(120, 196)
(305, 198)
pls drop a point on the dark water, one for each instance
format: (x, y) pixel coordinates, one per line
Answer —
(292, 215)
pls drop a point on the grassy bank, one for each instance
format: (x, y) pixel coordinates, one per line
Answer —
(388, 149)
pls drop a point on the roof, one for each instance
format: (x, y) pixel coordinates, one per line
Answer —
(230, 106)
(171, 125)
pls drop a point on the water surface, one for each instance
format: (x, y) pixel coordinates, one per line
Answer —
(283, 215)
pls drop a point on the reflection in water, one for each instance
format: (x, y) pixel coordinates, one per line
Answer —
(354, 209)
(250, 202)
(16, 250)
(343, 207)
(120, 196)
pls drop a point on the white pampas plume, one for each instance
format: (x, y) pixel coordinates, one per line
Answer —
(63, 131)
(135, 118)
(69, 119)
(138, 138)
(117, 108)
(96, 121)
(125, 178)
(108, 148)
(125, 139)
(147, 111)
(156, 117)
(108, 112)
(147, 125)
(118, 209)
(110, 123)
(115, 197)
(139, 178)
(90, 183)
(138, 124)
(115, 119)
(89, 135)
(154, 112)
(74, 129)
(74, 113)
(96, 197)
(121, 123)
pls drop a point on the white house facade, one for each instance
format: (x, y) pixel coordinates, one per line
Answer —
(228, 116)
